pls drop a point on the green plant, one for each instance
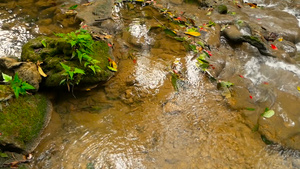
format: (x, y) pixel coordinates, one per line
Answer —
(18, 86)
(82, 44)
(69, 75)
(202, 63)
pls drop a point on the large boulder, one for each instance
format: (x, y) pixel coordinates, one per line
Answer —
(57, 51)
(21, 122)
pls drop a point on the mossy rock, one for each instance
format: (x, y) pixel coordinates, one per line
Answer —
(58, 50)
(222, 9)
(22, 120)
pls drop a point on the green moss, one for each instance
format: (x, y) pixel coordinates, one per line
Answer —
(222, 9)
(22, 120)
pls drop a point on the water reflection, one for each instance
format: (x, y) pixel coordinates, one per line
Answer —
(12, 39)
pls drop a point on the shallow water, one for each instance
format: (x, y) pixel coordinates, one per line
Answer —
(23, 20)
(137, 120)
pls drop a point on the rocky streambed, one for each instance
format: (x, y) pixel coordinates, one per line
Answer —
(165, 107)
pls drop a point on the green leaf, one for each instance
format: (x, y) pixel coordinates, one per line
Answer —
(268, 113)
(201, 44)
(93, 69)
(44, 43)
(6, 77)
(16, 79)
(170, 32)
(174, 81)
(226, 84)
(79, 71)
(73, 7)
(60, 34)
(112, 69)
(67, 68)
(255, 128)
(62, 81)
(250, 109)
(3, 155)
(71, 74)
(265, 140)
(73, 43)
(16, 90)
(79, 55)
(27, 86)
(206, 54)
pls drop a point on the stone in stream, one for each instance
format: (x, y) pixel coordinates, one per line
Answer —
(57, 51)
(27, 71)
(222, 9)
(22, 121)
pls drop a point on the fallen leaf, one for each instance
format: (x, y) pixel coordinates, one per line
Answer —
(274, 47)
(87, 4)
(109, 44)
(42, 73)
(73, 7)
(266, 83)
(268, 113)
(298, 88)
(193, 33)
(252, 5)
(251, 97)
(241, 76)
(250, 109)
(112, 65)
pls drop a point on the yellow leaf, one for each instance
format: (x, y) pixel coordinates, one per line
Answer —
(298, 88)
(112, 65)
(41, 71)
(280, 39)
(193, 33)
(87, 4)
(107, 36)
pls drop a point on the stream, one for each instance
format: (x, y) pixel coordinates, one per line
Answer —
(138, 120)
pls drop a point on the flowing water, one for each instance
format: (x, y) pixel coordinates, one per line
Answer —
(138, 120)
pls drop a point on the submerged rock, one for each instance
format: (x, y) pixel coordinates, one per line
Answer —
(222, 9)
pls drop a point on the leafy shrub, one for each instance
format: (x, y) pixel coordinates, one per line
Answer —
(82, 44)
(18, 85)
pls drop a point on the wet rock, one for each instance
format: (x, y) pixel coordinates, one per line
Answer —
(276, 21)
(21, 122)
(100, 19)
(171, 108)
(233, 34)
(58, 50)
(287, 47)
(6, 93)
(222, 9)
(26, 71)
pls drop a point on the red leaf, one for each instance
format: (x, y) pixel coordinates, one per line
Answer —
(134, 61)
(241, 76)
(84, 26)
(273, 47)
(251, 97)
(266, 83)
(109, 44)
